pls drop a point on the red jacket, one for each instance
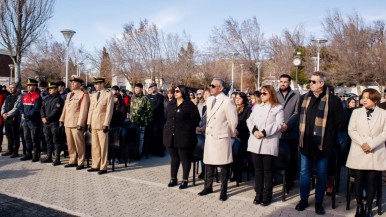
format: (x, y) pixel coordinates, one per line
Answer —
(2, 99)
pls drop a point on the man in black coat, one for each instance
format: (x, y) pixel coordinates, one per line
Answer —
(50, 112)
(320, 118)
(155, 128)
(11, 114)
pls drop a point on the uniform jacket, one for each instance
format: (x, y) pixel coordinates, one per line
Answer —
(11, 106)
(75, 109)
(290, 108)
(140, 110)
(52, 108)
(221, 123)
(372, 132)
(30, 108)
(267, 118)
(101, 110)
(181, 122)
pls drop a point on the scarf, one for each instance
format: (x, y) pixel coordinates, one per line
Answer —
(320, 120)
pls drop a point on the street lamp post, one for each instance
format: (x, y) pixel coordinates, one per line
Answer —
(233, 54)
(10, 75)
(258, 64)
(314, 60)
(241, 77)
(67, 33)
(297, 62)
(80, 64)
(318, 42)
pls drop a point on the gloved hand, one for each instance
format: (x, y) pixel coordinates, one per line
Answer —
(79, 127)
(105, 129)
(89, 128)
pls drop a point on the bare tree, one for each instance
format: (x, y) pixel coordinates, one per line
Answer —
(21, 23)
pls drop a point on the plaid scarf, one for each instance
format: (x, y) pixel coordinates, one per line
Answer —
(320, 120)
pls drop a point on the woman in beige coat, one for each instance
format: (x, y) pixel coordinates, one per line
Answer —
(367, 157)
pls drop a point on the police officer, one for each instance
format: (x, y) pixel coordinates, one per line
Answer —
(11, 114)
(99, 117)
(74, 117)
(30, 112)
(51, 111)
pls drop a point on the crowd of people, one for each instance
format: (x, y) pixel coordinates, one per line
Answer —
(223, 132)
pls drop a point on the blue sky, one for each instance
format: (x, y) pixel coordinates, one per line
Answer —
(96, 21)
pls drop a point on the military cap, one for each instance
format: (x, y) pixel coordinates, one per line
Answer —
(99, 80)
(77, 79)
(153, 85)
(32, 81)
(52, 85)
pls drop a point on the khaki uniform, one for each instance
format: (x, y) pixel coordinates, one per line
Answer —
(75, 114)
(101, 111)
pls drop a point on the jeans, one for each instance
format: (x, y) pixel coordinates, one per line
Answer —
(306, 166)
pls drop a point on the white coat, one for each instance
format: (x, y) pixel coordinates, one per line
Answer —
(270, 119)
(221, 123)
(372, 132)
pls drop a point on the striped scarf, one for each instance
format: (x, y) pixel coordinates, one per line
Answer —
(320, 120)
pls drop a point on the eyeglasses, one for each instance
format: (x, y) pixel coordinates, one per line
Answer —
(177, 91)
(264, 93)
(312, 81)
(212, 86)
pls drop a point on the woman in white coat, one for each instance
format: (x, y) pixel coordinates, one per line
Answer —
(367, 156)
(264, 125)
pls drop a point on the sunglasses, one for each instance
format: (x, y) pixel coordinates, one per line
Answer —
(177, 91)
(312, 81)
(264, 93)
(212, 86)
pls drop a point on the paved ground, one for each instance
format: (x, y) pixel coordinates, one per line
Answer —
(138, 190)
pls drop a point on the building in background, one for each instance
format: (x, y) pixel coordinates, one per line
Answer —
(5, 71)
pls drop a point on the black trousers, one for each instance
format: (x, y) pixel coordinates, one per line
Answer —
(32, 138)
(51, 134)
(238, 161)
(155, 130)
(209, 172)
(292, 169)
(366, 179)
(264, 171)
(12, 130)
(179, 155)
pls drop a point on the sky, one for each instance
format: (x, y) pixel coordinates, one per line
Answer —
(97, 21)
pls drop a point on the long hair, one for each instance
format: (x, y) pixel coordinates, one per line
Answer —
(184, 92)
(272, 95)
(243, 96)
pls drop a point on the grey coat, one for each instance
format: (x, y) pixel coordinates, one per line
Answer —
(291, 118)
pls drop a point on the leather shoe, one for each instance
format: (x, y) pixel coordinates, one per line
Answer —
(6, 153)
(26, 157)
(319, 209)
(265, 202)
(80, 167)
(223, 196)
(206, 191)
(184, 184)
(302, 205)
(92, 170)
(70, 165)
(101, 172)
(172, 183)
(35, 159)
(14, 155)
(257, 200)
(47, 160)
(56, 163)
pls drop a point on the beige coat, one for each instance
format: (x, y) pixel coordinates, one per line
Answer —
(101, 110)
(221, 124)
(372, 132)
(75, 109)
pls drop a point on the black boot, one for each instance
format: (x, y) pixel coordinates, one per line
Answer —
(7, 153)
(15, 154)
(360, 210)
(368, 211)
(35, 157)
(209, 170)
(27, 156)
(224, 183)
(46, 160)
(57, 155)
